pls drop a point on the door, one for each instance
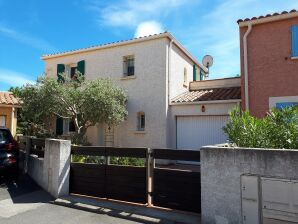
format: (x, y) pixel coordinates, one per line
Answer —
(193, 132)
(109, 135)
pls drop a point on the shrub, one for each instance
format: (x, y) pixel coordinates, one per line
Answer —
(279, 129)
(123, 161)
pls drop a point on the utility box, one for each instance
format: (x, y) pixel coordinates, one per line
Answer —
(279, 200)
(250, 199)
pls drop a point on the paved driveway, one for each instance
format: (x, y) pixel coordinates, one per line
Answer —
(23, 202)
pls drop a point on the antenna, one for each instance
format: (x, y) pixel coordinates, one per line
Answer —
(207, 62)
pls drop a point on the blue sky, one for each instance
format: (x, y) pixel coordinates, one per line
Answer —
(31, 28)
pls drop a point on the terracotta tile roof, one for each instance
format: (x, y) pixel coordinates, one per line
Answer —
(7, 98)
(231, 93)
(268, 15)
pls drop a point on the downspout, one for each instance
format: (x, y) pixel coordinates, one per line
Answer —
(12, 121)
(246, 65)
(169, 69)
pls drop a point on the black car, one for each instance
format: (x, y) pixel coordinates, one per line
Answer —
(9, 152)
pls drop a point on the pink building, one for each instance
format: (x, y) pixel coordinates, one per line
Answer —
(269, 62)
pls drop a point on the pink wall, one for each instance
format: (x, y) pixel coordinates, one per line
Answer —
(271, 71)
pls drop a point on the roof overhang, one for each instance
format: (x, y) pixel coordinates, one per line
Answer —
(127, 42)
(10, 105)
(206, 102)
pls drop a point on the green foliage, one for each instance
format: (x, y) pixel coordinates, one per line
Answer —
(279, 129)
(28, 126)
(123, 161)
(15, 90)
(127, 161)
(88, 159)
(84, 102)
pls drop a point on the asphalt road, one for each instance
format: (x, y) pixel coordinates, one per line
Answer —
(23, 202)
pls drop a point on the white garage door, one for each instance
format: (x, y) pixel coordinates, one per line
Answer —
(196, 131)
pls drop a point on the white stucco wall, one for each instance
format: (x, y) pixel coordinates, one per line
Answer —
(195, 110)
(146, 92)
(179, 61)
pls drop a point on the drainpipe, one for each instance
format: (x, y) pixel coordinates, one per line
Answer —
(246, 65)
(169, 69)
(12, 120)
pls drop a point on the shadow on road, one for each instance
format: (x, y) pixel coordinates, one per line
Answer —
(22, 190)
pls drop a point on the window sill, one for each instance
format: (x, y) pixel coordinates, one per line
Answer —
(140, 132)
(294, 58)
(128, 77)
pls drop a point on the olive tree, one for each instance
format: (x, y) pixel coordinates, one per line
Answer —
(84, 102)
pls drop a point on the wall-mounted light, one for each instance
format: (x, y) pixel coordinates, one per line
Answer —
(203, 109)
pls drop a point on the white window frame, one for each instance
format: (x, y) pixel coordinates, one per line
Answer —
(283, 99)
(3, 117)
(66, 131)
(68, 68)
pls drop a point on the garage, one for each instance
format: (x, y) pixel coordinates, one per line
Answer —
(193, 132)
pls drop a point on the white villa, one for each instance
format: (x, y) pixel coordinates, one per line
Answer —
(168, 107)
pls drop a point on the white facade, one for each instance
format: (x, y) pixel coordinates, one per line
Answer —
(160, 64)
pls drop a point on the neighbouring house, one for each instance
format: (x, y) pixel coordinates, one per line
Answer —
(153, 70)
(269, 62)
(8, 111)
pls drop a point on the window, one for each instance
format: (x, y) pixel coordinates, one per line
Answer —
(195, 72)
(128, 66)
(68, 126)
(141, 121)
(72, 127)
(2, 121)
(64, 126)
(295, 41)
(70, 70)
(185, 77)
(286, 104)
(283, 101)
(73, 71)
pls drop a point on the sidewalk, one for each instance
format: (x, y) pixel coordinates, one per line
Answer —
(129, 211)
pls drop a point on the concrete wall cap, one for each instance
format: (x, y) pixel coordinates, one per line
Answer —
(225, 146)
(57, 140)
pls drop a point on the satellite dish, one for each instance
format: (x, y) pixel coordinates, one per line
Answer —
(207, 61)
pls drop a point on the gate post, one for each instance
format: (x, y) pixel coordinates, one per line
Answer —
(57, 166)
(150, 163)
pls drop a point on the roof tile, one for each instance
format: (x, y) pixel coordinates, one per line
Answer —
(231, 93)
(268, 15)
(7, 98)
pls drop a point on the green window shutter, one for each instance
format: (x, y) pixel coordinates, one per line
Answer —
(81, 67)
(201, 74)
(60, 69)
(195, 72)
(59, 126)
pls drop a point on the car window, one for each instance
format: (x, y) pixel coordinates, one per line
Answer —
(4, 136)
